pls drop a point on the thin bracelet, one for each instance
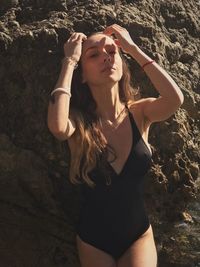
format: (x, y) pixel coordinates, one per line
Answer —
(59, 89)
(71, 61)
(147, 63)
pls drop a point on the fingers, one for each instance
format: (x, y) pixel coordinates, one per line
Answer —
(117, 42)
(122, 37)
(82, 37)
(114, 28)
(73, 46)
(79, 36)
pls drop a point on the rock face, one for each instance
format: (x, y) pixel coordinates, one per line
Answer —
(39, 206)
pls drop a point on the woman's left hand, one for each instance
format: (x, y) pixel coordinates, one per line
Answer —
(123, 40)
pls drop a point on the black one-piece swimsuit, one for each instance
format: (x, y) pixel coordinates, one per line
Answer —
(113, 216)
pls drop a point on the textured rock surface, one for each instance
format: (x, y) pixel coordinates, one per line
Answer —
(38, 205)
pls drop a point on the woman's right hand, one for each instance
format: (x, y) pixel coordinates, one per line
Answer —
(73, 46)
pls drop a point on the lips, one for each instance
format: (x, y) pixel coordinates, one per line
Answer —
(108, 68)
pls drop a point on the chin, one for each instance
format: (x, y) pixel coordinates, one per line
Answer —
(105, 80)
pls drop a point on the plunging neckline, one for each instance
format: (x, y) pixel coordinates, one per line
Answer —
(131, 121)
(129, 154)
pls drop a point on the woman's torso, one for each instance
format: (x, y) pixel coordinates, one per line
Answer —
(121, 138)
(117, 209)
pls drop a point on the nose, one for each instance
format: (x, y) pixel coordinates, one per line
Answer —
(107, 57)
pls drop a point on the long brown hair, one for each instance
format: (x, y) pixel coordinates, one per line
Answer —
(91, 148)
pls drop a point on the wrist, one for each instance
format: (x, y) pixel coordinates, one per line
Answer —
(133, 49)
(71, 61)
(141, 58)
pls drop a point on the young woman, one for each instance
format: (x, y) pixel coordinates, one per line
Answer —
(107, 132)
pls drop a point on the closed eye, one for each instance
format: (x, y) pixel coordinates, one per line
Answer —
(94, 55)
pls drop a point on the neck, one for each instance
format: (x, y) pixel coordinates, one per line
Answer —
(108, 103)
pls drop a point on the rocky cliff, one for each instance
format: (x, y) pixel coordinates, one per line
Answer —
(38, 205)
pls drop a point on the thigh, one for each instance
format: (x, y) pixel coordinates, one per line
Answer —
(142, 252)
(91, 256)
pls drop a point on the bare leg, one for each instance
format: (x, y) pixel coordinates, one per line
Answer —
(142, 252)
(91, 256)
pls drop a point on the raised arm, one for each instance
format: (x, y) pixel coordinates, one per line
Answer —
(171, 97)
(59, 123)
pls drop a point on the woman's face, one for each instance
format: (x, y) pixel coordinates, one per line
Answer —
(100, 60)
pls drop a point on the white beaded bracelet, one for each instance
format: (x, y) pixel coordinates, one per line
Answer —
(59, 89)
